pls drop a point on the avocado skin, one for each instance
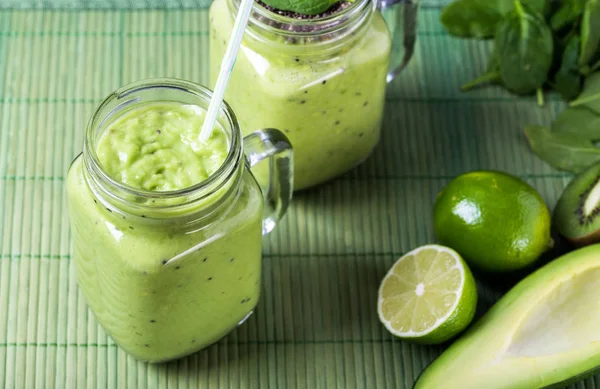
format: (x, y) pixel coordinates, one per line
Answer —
(573, 380)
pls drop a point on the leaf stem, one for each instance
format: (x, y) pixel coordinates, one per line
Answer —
(483, 79)
(595, 67)
(519, 7)
(584, 100)
(540, 97)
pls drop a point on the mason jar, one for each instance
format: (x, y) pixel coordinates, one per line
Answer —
(321, 80)
(169, 273)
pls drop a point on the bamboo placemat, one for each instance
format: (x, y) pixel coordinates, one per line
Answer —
(316, 325)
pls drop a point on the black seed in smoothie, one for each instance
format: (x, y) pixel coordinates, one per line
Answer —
(297, 59)
(143, 216)
(157, 132)
(152, 321)
(138, 334)
(324, 82)
(209, 279)
(147, 345)
(337, 122)
(360, 134)
(108, 210)
(286, 130)
(232, 259)
(244, 301)
(239, 279)
(164, 261)
(305, 92)
(177, 267)
(205, 259)
(365, 103)
(131, 227)
(302, 101)
(95, 201)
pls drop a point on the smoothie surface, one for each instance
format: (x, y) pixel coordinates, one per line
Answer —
(156, 147)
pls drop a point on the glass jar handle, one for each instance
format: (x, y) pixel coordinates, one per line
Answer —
(276, 178)
(403, 27)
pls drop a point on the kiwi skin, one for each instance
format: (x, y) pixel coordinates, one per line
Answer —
(577, 213)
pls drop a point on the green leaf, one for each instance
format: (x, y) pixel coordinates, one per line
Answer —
(540, 6)
(579, 121)
(563, 151)
(590, 97)
(306, 7)
(471, 18)
(480, 18)
(567, 80)
(525, 46)
(590, 32)
(568, 13)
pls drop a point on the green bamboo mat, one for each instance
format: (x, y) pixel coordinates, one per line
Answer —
(316, 325)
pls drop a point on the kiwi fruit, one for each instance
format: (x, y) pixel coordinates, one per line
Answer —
(577, 213)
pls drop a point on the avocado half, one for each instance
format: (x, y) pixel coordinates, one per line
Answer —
(543, 333)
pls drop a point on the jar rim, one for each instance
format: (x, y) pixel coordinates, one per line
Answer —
(126, 93)
(273, 22)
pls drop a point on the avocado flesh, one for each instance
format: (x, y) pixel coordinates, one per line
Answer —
(544, 331)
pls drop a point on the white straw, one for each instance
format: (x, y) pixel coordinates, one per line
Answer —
(226, 68)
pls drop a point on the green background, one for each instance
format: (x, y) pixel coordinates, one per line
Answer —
(316, 325)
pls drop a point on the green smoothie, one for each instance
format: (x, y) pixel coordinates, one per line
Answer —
(164, 288)
(157, 147)
(328, 103)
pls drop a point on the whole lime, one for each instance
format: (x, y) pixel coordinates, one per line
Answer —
(496, 221)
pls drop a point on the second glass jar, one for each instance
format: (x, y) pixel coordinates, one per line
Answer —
(321, 81)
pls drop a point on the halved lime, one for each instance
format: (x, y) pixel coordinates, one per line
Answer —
(428, 296)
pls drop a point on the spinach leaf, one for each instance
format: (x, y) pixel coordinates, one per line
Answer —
(480, 18)
(564, 151)
(472, 18)
(579, 121)
(525, 46)
(540, 6)
(306, 7)
(590, 32)
(590, 97)
(567, 80)
(568, 13)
